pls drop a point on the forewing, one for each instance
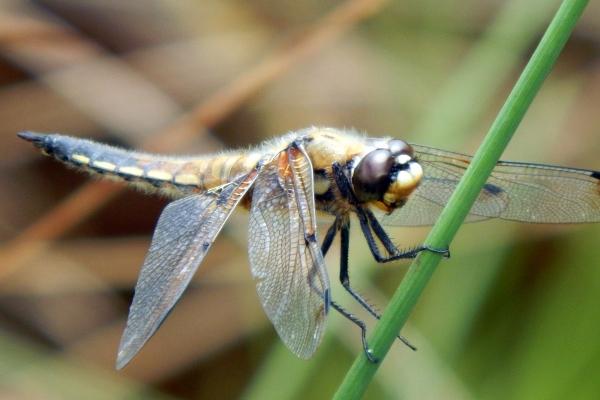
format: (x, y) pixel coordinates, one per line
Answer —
(515, 191)
(185, 231)
(285, 258)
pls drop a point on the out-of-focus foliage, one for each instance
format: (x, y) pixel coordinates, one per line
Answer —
(513, 313)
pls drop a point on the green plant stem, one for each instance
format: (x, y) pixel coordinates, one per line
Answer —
(362, 371)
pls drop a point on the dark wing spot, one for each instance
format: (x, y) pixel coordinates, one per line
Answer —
(310, 238)
(223, 197)
(492, 189)
(596, 175)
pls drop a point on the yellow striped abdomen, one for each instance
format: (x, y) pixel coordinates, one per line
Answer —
(172, 176)
(181, 176)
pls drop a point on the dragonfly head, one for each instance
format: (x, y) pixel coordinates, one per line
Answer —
(387, 176)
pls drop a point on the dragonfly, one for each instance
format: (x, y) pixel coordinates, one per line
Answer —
(285, 183)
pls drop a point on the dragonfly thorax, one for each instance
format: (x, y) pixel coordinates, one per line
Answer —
(386, 176)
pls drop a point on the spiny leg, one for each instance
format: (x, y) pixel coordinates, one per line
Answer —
(370, 225)
(363, 330)
(345, 188)
(345, 279)
(329, 236)
(344, 228)
(344, 274)
(391, 247)
(367, 221)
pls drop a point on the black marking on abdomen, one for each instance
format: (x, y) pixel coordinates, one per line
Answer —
(126, 177)
(595, 175)
(94, 157)
(98, 157)
(155, 182)
(143, 170)
(53, 145)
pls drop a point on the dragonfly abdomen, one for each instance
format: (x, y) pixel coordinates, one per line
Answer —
(172, 176)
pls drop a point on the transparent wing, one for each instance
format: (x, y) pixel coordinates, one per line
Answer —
(285, 257)
(185, 231)
(515, 191)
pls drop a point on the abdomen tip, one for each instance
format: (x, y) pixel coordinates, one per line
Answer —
(32, 136)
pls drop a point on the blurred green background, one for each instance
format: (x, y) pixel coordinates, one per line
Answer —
(514, 312)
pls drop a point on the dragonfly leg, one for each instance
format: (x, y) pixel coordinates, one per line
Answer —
(391, 247)
(345, 279)
(370, 225)
(395, 254)
(344, 228)
(363, 330)
(329, 236)
(343, 224)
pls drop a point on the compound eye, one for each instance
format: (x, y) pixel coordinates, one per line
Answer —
(371, 177)
(398, 147)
